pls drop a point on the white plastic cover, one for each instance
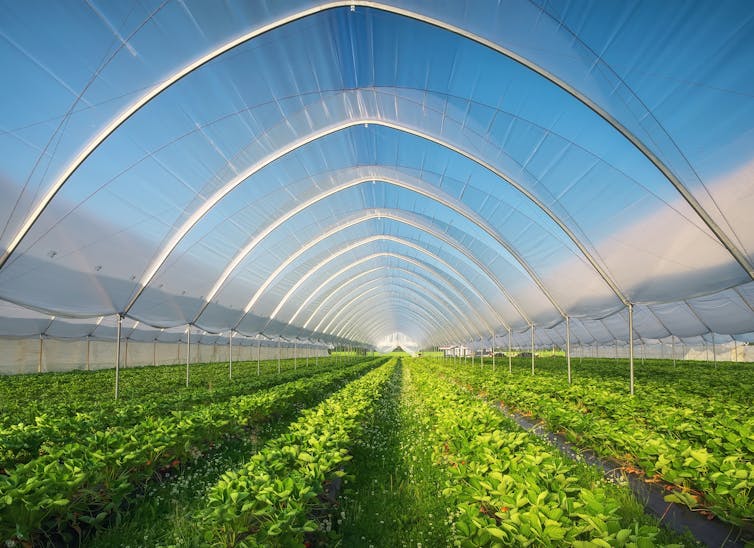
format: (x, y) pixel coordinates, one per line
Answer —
(340, 171)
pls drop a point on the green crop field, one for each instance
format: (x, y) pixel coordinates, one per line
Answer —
(385, 451)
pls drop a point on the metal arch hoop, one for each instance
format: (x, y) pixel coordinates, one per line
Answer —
(435, 304)
(392, 215)
(437, 197)
(418, 312)
(418, 264)
(438, 294)
(407, 259)
(370, 325)
(453, 290)
(350, 247)
(349, 320)
(210, 202)
(93, 144)
(382, 322)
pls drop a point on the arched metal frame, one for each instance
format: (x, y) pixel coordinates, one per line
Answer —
(340, 308)
(396, 306)
(456, 312)
(431, 281)
(218, 195)
(354, 245)
(722, 237)
(134, 107)
(366, 301)
(422, 266)
(394, 215)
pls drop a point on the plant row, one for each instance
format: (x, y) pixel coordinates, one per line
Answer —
(702, 446)
(22, 442)
(88, 480)
(270, 500)
(25, 397)
(509, 488)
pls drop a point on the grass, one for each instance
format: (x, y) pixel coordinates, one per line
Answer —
(391, 496)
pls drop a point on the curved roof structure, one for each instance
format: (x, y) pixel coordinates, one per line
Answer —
(339, 171)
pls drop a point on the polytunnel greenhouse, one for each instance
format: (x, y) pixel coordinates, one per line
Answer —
(377, 273)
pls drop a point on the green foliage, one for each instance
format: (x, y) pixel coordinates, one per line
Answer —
(87, 480)
(509, 488)
(688, 426)
(269, 501)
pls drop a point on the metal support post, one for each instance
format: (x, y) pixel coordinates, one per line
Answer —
(532, 349)
(41, 345)
(259, 356)
(117, 356)
(294, 356)
(714, 352)
(672, 348)
(87, 352)
(642, 351)
(230, 355)
(568, 347)
(510, 352)
(631, 345)
(493, 351)
(188, 353)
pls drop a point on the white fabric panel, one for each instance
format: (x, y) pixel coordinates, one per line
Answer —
(577, 164)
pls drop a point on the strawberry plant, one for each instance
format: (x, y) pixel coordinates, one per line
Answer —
(702, 445)
(269, 501)
(87, 480)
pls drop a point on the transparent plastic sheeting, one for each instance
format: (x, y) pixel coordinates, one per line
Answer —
(298, 168)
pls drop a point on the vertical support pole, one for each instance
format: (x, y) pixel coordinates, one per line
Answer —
(259, 356)
(714, 350)
(642, 351)
(493, 351)
(631, 345)
(568, 347)
(481, 357)
(154, 353)
(294, 356)
(117, 356)
(88, 340)
(672, 348)
(510, 352)
(188, 352)
(532, 349)
(41, 344)
(230, 355)
(278, 357)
